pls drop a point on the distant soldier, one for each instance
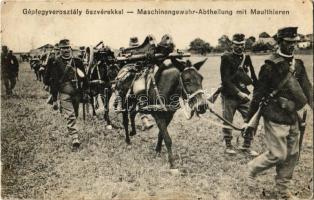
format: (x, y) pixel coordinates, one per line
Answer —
(237, 73)
(48, 78)
(9, 69)
(281, 72)
(68, 76)
(82, 51)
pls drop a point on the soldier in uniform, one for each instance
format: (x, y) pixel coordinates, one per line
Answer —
(68, 76)
(237, 73)
(281, 111)
(9, 69)
(48, 78)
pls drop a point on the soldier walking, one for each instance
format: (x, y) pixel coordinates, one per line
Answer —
(287, 75)
(48, 77)
(68, 76)
(9, 70)
(235, 69)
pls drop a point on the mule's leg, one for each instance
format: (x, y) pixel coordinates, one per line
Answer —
(162, 120)
(126, 127)
(160, 135)
(106, 99)
(132, 118)
(159, 143)
(37, 78)
(93, 105)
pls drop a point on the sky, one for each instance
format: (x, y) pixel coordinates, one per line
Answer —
(22, 32)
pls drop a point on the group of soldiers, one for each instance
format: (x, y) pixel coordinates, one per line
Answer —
(66, 77)
(281, 90)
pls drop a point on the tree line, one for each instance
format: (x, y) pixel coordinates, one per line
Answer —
(264, 43)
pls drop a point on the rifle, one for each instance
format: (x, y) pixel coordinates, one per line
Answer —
(302, 125)
(133, 58)
(250, 130)
(215, 95)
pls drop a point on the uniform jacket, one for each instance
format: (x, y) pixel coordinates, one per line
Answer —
(297, 89)
(57, 74)
(232, 84)
(9, 66)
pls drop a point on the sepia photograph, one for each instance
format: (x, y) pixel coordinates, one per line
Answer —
(156, 100)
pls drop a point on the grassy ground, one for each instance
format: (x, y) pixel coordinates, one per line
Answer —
(37, 162)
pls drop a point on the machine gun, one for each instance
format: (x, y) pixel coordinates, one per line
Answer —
(141, 57)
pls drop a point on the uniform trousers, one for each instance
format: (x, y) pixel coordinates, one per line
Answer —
(282, 152)
(229, 107)
(69, 106)
(9, 83)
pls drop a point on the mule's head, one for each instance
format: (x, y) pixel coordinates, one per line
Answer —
(191, 83)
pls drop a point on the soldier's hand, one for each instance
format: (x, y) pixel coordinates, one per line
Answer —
(244, 97)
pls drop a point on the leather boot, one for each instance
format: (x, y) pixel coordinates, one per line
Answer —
(229, 148)
(75, 143)
(246, 148)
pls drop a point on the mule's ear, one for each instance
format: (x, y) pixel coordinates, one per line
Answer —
(199, 64)
(180, 65)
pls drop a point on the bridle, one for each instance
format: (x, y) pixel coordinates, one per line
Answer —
(188, 95)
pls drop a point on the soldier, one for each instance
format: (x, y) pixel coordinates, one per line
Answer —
(68, 76)
(280, 112)
(52, 99)
(234, 70)
(9, 69)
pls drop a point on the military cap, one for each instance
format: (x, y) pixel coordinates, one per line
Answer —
(238, 38)
(56, 47)
(288, 33)
(5, 48)
(82, 48)
(64, 43)
(133, 42)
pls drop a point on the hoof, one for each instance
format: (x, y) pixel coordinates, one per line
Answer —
(128, 142)
(109, 127)
(158, 150)
(172, 166)
(76, 145)
(132, 133)
(158, 154)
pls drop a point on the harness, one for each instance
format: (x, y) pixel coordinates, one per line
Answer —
(189, 96)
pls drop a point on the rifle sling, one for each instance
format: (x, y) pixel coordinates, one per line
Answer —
(283, 81)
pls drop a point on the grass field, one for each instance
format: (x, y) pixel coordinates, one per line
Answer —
(37, 162)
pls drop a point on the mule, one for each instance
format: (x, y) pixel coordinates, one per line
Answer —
(179, 79)
(101, 73)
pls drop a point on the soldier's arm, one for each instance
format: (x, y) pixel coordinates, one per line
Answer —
(226, 76)
(260, 90)
(307, 86)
